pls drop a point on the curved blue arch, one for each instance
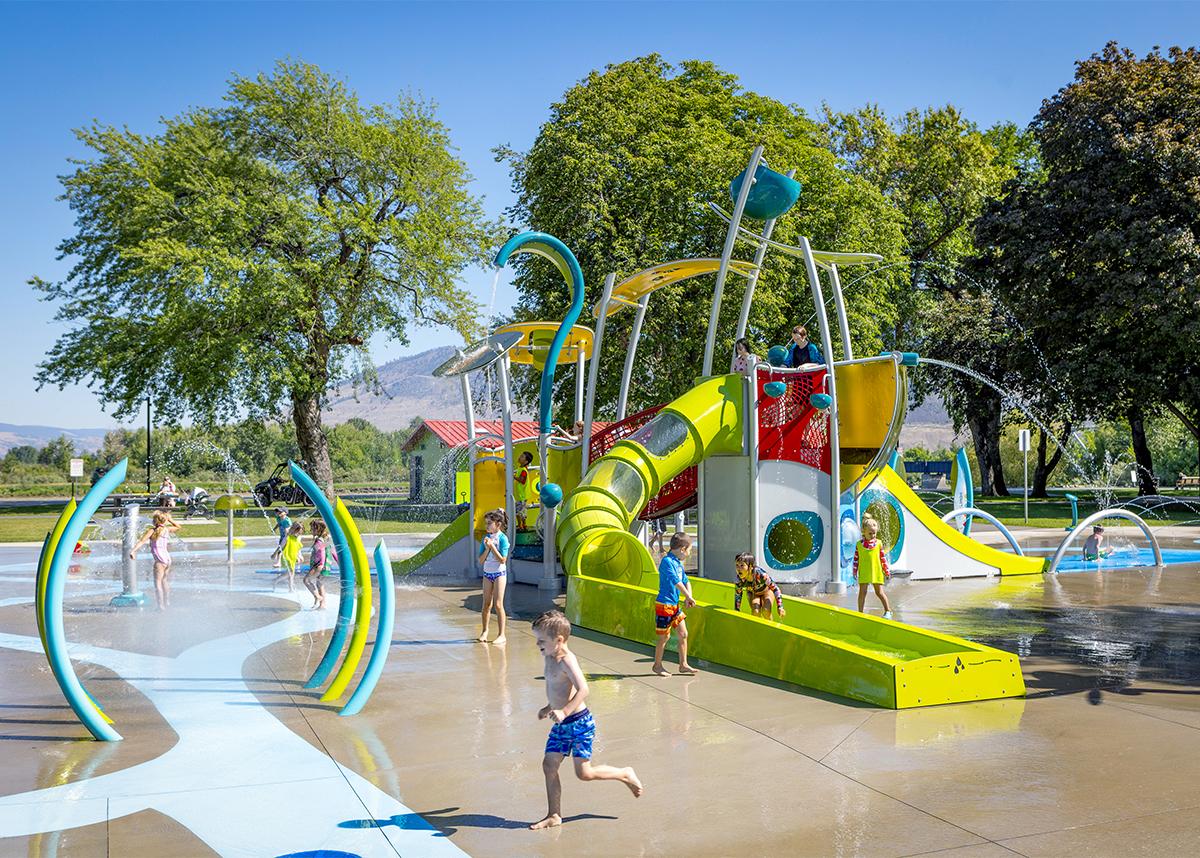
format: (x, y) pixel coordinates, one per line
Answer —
(963, 480)
(345, 570)
(56, 581)
(545, 245)
(383, 633)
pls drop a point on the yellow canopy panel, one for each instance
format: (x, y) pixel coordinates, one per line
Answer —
(536, 337)
(629, 290)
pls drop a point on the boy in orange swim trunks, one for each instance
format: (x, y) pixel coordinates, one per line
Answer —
(672, 581)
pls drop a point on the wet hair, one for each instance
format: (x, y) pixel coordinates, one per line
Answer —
(1097, 528)
(281, 509)
(525, 458)
(553, 622)
(497, 515)
(318, 528)
(743, 342)
(160, 519)
(679, 539)
(870, 522)
(296, 529)
(746, 559)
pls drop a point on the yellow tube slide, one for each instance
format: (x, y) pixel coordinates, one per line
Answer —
(593, 527)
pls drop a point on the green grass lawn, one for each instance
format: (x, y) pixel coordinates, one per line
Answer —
(1056, 511)
(23, 526)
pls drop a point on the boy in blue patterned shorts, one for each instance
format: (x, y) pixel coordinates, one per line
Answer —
(574, 729)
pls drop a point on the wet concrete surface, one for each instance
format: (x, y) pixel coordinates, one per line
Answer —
(1101, 757)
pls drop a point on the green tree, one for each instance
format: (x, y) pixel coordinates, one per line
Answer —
(1104, 251)
(237, 262)
(57, 453)
(939, 170)
(622, 172)
(23, 454)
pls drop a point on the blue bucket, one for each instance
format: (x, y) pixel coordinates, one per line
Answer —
(771, 195)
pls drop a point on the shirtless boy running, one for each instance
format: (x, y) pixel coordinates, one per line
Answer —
(573, 730)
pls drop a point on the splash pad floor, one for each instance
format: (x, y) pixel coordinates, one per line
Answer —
(225, 753)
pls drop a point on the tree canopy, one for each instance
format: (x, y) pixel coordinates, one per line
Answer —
(622, 171)
(238, 261)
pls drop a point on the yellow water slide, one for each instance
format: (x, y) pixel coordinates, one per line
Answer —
(593, 527)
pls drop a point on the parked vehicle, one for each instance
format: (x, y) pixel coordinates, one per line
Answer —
(277, 490)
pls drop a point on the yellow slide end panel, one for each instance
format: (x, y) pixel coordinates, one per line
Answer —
(1006, 563)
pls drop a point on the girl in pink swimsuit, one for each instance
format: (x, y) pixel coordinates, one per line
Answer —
(162, 526)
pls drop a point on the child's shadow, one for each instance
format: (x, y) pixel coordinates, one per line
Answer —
(447, 821)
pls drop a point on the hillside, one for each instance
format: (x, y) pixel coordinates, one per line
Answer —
(409, 390)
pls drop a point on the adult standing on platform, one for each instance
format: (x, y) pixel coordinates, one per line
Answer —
(801, 351)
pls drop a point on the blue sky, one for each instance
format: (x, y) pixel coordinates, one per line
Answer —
(493, 69)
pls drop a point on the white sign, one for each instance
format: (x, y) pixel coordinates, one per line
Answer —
(1023, 441)
(76, 468)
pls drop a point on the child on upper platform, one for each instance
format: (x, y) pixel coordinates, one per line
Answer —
(871, 566)
(761, 586)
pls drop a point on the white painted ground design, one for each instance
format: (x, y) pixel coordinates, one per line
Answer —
(238, 778)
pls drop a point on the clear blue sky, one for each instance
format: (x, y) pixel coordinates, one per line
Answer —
(493, 69)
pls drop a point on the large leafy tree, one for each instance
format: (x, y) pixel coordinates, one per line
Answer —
(238, 261)
(622, 171)
(939, 170)
(1106, 250)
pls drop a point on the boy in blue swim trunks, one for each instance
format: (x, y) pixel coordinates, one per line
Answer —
(574, 729)
(672, 581)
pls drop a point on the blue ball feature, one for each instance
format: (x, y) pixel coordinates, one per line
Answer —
(820, 401)
(770, 196)
(551, 495)
(777, 356)
(774, 389)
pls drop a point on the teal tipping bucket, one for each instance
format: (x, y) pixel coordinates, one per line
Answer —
(771, 195)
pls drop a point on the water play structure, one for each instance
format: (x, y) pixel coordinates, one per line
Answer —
(781, 461)
(354, 606)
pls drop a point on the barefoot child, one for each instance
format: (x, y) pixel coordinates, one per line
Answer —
(493, 553)
(574, 729)
(871, 566)
(1093, 546)
(759, 583)
(162, 525)
(290, 556)
(521, 487)
(316, 566)
(672, 581)
(283, 524)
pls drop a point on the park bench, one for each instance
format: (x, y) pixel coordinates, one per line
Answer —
(1186, 482)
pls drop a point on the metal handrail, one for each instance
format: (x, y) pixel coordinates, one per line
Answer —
(971, 511)
(1100, 516)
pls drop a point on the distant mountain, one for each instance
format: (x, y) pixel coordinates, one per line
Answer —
(14, 435)
(409, 390)
(928, 426)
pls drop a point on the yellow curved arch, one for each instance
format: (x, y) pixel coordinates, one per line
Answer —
(362, 613)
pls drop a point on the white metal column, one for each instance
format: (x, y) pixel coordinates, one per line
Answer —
(589, 409)
(735, 221)
(470, 410)
(839, 306)
(627, 373)
(834, 584)
(580, 369)
(759, 256)
(510, 508)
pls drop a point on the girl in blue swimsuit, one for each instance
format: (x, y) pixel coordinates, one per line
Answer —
(493, 554)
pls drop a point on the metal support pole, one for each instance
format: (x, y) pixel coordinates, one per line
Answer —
(1026, 492)
(470, 412)
(229, 536)
(627, 373)
(130, 596)
(506, 416)
(580, 369)
(735, 221)
(549, 579)
(752, 282)
(840, 307)
(147, 445)
(589, 409)
(835, 583)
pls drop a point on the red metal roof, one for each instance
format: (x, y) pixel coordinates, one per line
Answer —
(453, 433)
